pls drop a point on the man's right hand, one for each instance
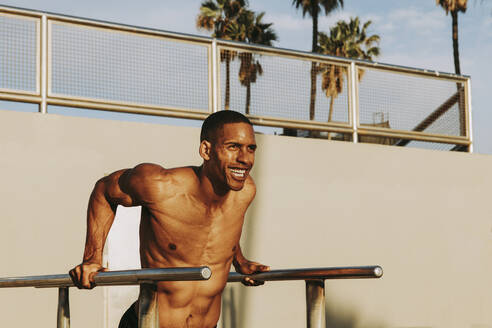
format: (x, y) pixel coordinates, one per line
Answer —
(83, 274)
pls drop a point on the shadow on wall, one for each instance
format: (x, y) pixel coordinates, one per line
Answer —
(229, 309)
(337, 316)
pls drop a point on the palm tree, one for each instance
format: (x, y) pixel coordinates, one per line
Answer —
(453, 7)
(257, 32)
(345, 40)
(314, 8)
(219, 16)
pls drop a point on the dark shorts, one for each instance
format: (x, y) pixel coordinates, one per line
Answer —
(129, 318)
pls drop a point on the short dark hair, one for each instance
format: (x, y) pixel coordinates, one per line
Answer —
(216, 121)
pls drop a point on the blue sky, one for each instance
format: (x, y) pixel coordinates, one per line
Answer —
(414, 33)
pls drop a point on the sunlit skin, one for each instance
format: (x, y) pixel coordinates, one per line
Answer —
(191, 216)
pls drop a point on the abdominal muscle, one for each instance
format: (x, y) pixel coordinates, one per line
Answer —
(190, 304)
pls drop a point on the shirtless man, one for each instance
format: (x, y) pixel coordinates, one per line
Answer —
(191, 216)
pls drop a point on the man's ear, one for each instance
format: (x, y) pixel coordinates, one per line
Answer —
(205, 149)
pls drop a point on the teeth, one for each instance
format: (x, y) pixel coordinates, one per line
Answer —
(238, 172)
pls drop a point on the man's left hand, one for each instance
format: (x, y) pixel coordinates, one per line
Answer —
(250, 267)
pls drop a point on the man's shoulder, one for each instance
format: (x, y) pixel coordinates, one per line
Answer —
(249, 189)
(187, 175)
(165, 181)
(158, 171)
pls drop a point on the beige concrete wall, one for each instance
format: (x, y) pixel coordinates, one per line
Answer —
(424, 216)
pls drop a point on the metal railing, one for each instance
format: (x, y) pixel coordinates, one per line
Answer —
(74, 62)
(147, 279)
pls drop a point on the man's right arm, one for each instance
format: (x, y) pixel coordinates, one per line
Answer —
(130, 187)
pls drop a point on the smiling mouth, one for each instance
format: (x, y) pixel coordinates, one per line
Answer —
(238, 173)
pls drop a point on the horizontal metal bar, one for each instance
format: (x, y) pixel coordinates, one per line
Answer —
(374, 271)
(333, 127)
(205, 39)
(342, 60)
(112, 278)
(129, 108)
(135, 277)
(412, 135)
(103, 23)
(20, 96)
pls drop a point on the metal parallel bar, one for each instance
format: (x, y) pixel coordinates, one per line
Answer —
(374, 271)
(112, 278)
(148, 315)
(63, 315)
(315, 303)
(135, 277)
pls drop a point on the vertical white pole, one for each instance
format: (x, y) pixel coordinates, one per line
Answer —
(470, 129)
(148, 314)
(44, 61)
(215, 74)
(315, 303)
(63, 315)
(353, 101)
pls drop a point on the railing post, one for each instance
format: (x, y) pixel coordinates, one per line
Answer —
(63, 320)
(315, 303)
(215, 77)
(44, 62)
(469, 112)
(148, 316)
(354, 101)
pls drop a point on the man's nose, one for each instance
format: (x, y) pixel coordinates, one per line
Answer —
(244, 157)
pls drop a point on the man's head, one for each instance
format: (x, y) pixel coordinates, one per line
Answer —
(227, 146)
(214, 123)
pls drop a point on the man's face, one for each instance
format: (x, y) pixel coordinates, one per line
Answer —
(233, 154)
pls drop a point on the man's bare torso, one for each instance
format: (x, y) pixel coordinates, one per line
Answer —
(181, 229)
(191, 216)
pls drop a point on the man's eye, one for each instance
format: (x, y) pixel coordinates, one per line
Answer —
(233, 146)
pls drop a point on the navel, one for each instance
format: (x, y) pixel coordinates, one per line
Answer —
(188, 320)
(172, 246)
(234, 248)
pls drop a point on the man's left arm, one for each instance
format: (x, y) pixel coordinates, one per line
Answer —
(245, 266)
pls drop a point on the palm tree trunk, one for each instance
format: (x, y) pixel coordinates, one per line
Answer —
(312, 102)
(456, 54)
(228, 87)
(248, 97)
(313, 92)
(315, 29)
(457, 70)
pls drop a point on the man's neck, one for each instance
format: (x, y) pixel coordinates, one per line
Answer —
(211, 191)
